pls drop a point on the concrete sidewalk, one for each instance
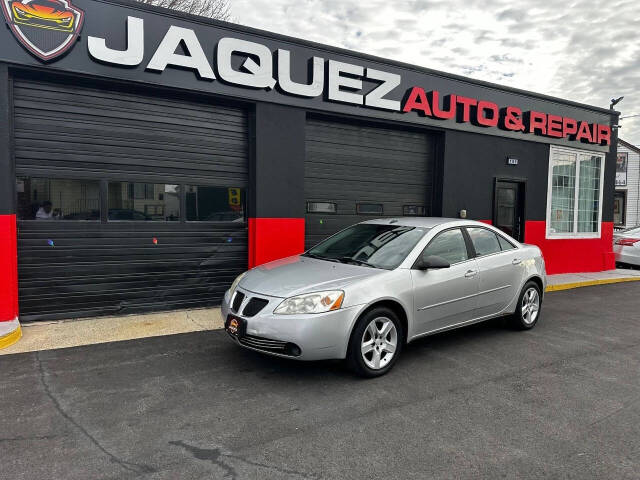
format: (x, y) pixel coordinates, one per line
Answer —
(77, 332)
(566, 281)
(38, 336)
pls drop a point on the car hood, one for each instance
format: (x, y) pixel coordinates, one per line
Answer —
(297, 275)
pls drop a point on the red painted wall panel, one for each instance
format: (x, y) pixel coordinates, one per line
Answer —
(8, 268)
(573, 255)
(274, 238)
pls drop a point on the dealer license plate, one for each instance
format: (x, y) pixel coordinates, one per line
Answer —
(235, 326)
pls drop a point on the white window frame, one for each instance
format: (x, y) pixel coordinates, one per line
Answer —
(575, 234)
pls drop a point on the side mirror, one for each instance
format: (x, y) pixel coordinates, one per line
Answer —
(432, 262)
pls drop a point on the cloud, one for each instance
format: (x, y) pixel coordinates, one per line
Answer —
(584, 50)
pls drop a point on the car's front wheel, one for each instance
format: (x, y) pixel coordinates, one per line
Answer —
(527, 312)
(376, 342)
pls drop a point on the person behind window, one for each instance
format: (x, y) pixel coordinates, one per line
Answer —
(45, 212)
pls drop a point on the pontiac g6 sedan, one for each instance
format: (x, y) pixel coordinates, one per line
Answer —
(367, 291)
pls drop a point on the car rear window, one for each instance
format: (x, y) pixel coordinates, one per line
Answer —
(505, 244)
(485, 242)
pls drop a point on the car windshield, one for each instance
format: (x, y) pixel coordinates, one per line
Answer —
(370, 244)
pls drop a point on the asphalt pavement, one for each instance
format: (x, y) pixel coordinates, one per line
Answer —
(560, 401)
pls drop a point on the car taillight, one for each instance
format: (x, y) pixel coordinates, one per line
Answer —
(627, 242)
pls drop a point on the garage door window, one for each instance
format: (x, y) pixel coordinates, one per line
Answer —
(134, 201)
(58, 199)
(215, 204)
(574, 204)
(321, 207)
(413, 211)
(370, 209)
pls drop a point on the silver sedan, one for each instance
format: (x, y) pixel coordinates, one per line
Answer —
(367, 291)
(626, 246)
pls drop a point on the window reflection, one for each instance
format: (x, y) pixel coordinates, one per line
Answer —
(58, 199)
(214, 204)
(144, 201)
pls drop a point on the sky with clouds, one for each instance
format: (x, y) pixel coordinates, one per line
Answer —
(582, 50)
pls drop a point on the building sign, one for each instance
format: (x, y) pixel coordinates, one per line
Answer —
(488, 114)
(46, 28)
(621, 169)
(272, 70)
(344, 84)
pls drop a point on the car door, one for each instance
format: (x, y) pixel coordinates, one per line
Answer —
(500, 270)
(446, 296)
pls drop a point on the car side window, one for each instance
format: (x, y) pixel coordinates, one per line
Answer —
(484, 241)
(449, 245)
(505, 244)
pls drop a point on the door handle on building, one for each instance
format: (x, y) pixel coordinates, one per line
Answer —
(516, 261)
(471, 273)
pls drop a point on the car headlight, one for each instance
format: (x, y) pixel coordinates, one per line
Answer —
(234, 285)
(317, 302)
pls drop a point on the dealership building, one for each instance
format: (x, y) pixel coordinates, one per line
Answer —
(151, 156)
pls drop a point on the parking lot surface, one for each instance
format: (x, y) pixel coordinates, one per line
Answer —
(560, 401)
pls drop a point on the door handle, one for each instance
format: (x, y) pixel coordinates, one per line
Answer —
(516, 261)
(471, 273)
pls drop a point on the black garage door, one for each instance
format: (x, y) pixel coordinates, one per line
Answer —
(353, 173)
(126, 202)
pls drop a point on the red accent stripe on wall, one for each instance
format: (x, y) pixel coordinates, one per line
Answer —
(274, 238)
(8, 268)
(573, 255)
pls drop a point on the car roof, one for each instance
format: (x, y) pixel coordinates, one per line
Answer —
(424, 222)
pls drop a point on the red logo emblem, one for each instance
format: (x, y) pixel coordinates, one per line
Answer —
(47, 28)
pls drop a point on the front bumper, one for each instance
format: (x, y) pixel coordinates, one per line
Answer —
(320, 336)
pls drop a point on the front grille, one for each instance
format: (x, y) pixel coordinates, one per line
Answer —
(254, 306)
(237, 301)
(267, 345)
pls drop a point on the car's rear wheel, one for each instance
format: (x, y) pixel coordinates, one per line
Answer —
(376, 342)
(529, 306)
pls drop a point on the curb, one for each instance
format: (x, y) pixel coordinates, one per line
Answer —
(589, 283)
(11, 338)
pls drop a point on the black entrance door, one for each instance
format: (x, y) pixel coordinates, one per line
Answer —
(508, 209)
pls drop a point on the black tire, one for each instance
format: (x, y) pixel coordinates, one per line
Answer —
(520, 319)
(355, 357)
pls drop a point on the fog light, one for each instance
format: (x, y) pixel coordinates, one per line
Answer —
(292, 349)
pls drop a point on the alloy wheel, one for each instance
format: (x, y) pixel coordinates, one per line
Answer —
(530, 306)
(379, 343)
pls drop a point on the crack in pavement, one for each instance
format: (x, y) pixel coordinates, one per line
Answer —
(22, 439)
(192, 320)
(130, 466)
(216, 456)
